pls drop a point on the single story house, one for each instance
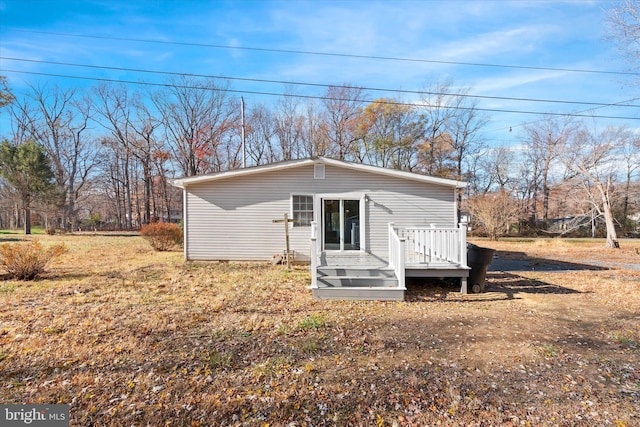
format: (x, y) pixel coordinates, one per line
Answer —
(361, 228)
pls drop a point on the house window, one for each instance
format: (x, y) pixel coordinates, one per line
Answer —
(302, 210)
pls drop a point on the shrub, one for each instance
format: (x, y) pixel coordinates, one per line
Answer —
(162, 235)
(218, 360)
(314, 321)
(26, 261)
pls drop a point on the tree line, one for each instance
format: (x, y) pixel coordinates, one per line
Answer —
(112, 151)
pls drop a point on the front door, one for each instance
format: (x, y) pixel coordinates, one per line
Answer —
(341, 224)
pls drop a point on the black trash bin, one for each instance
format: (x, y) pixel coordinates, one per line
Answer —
(478, 259)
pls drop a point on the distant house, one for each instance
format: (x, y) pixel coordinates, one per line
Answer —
(362, 228)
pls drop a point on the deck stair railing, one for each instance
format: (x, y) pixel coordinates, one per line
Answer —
(397, 255)
(431, 245)
(314, 254)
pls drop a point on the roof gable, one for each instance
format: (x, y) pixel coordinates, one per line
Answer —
(185, 182)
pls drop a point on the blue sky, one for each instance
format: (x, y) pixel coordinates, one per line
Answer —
(557, 35)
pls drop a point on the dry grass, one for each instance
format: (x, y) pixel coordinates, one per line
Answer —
(130, 336)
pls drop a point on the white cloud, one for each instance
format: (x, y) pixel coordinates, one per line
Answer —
(521, 78)
(235, 42)
(498, 46)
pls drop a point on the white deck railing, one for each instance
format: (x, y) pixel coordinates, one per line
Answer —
(429, 245)
(397, 255)
(411, 245)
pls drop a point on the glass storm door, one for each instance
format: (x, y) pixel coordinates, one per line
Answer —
(341, 224)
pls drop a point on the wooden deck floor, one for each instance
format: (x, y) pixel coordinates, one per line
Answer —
(346, 259)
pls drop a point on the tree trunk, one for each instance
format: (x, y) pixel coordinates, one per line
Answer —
(625, 203)
(72, 221)
(545, 197)
(167, 200)
(147, 193)
(136, 195)
(27, 216)
(70, 206)
(127, 196)
(612, 237)
(534, 196)
(15, 216)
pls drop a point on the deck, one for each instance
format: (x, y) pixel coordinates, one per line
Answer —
(420, 252)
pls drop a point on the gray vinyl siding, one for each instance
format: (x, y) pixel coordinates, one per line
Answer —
(231, 219)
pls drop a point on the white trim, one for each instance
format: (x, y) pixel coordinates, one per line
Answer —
(361, 197)
(363, 222)
(394, 172)
(313, 207)
(455, 204)
(353, 195)
(185, 222)
(184, 182)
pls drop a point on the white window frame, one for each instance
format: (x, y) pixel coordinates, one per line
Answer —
(362, 197)
(313, 210)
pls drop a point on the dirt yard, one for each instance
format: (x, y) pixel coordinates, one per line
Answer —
(129, 336)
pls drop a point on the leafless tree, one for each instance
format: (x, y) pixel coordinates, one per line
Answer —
(630, 156)
(288, 127)
(342, 107)
(594, 156)
(494, 212)
(197, 117)
(259, 137)
(114, 105)
(624, 23)
(144, 148)
(114, 184)
(465, 140)
(134, 133)
(475, 173)
(498, 163)
(544, 141)
(161, 159)
(440, 102)
(316, 129)
(58, 119)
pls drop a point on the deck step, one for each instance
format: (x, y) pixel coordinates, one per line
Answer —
(356, 282)
(356, 277)
(355, 271)
(359, 293)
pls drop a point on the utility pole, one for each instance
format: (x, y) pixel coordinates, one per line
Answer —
(244, 153)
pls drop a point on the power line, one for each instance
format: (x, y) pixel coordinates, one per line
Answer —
(324, 85)
(339, 55)
(617, 104)
(249, 92)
